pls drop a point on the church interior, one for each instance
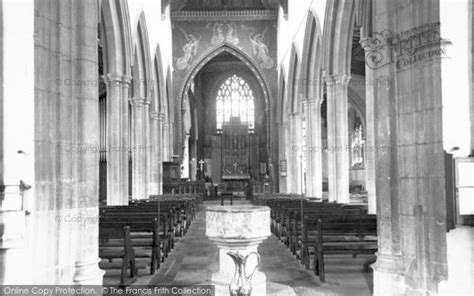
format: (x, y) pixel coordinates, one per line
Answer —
(159, 142)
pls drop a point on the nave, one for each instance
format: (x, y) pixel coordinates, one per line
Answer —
(194, 259)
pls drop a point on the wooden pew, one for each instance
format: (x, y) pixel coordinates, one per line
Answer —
(344, 235)
(115, 243)
(149, 229)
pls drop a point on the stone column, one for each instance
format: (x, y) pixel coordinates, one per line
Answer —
(154, 153)
(147, 146)
(114, 135)
(138, 148)
(292, 147)
(126, 129)
(85, 111)
(369, 157)
(166, 141)
(314, 177)
(338, 138)
(410, 189)
(282, 151)
(161, 148)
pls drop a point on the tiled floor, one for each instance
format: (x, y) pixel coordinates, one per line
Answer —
(194, 259)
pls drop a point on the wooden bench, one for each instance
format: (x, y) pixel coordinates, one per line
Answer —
(149, 229)
(115, 243)
(343, 235)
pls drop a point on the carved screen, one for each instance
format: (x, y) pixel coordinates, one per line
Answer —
(235, 150)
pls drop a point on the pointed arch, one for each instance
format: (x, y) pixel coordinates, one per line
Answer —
(208, 56)
(292, 101)
(116, 37)
(168, 97)
(159, 81)
(312, 57)
(281, 94)
(143, 83)
(248, 61)
(338, 30)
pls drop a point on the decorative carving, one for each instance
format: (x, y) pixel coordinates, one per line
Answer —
(260, 49)
(189, 49)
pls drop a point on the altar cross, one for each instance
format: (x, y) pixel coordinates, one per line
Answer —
(201, 164)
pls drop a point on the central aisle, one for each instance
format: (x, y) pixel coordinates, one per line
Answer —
(194, 259)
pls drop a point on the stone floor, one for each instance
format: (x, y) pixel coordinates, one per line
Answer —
(194, 259)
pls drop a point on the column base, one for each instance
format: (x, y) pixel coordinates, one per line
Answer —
(88, 273)
(388, 275)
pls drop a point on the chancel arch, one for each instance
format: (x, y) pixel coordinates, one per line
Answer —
(228, 48)
(227, 76)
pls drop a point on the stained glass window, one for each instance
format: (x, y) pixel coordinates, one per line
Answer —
(235, 99)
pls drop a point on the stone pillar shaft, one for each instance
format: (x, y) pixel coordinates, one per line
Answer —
(314, 177)
(338, 138)
(369, 153)
(116, 170)
(139, 177)
(125, 139)
(154, 153)
(409, 158)
(160, 154)
(166, 141)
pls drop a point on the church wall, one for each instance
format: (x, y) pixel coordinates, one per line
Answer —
(159, 29)
(455, 75)
(17, 146)
(293, 29)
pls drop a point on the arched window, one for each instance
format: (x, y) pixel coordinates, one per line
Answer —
(357, 144)
(235, 99)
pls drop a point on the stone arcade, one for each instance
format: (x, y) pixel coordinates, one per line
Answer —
(120, 117)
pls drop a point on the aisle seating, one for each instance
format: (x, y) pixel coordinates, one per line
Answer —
(115, 243)
(295, 222)
(152, 227)
(344, 235)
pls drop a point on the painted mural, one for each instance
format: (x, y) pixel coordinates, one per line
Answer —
(256, 39)
(189, 49)
(260, 49)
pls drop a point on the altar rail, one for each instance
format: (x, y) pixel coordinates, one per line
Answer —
(193, 187)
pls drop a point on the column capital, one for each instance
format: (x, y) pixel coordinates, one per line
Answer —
(127, 79)
(113, 78)
(154, 115)
(337, 79)
(136, 101)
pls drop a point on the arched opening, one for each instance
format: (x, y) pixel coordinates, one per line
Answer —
(311, 119)
(225, 122)
(114, 64)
